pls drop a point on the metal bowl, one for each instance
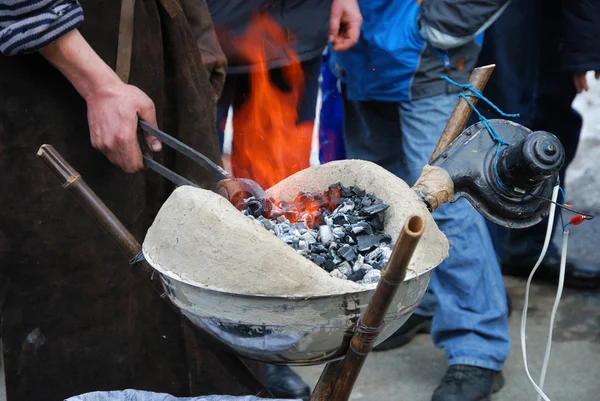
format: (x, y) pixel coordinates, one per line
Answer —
(287, 330)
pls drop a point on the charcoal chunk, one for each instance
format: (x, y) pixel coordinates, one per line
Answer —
(371, 277)
(340, 219)
(377, 222)
(368, 242)
(347, 252)
(357, 275)
(376, 208)
(328, 265)
(319, 260)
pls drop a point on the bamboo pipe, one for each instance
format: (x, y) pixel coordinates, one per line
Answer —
(338, 378)
(462, 111)
(72, 181)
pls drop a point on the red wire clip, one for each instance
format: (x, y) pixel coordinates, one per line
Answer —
(577, 220)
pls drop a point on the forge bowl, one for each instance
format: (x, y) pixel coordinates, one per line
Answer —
(287, 330)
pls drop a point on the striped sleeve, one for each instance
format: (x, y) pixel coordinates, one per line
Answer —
(29, 25)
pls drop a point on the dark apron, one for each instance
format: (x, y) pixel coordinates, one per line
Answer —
(75, 317)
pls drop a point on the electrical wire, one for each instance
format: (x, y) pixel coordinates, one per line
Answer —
(559, 290)
(528, 288)
(562, 206)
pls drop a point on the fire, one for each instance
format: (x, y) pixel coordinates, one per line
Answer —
(268, 143)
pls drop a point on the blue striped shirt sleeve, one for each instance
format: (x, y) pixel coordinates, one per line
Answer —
(29, 25)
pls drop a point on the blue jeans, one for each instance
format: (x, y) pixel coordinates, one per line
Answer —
(466, 295)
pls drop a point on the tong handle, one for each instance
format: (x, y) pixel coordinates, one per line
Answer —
(179, 147)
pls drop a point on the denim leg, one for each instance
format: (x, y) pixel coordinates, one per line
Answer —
(372, 132)
(470, 320)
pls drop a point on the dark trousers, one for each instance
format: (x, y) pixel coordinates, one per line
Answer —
(528, 79)
(237, 89)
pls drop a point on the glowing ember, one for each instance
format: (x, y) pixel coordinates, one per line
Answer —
(268, 143)
(340, 230)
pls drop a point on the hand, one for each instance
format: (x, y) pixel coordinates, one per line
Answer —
(113, 112)
(344, 24)
(580, 80)
(113, 106)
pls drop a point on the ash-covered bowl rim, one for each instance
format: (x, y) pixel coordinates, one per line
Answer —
(367, 288)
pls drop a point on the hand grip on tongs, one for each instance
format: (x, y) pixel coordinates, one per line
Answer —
(462, 111)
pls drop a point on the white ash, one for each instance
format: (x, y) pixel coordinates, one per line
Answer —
(340, 230)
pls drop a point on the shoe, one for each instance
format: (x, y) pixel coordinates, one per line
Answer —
(414, 325)
(577, 275)
(284, 383)
(468, 383)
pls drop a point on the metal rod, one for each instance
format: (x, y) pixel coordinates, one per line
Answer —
(462, 111)
(338, 378)
(219, 172)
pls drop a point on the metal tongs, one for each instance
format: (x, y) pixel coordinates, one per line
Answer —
(236, 190)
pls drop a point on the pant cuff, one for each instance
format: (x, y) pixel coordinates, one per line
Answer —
(480, 363)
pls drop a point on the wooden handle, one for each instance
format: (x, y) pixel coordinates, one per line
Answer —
(462, 111)
(338, 378)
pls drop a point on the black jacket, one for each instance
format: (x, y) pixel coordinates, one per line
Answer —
(581, 35)
(306, 24)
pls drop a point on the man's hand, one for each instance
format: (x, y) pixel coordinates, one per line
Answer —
(113, 112)
(344, 24)
(113, 106)
(580, 80)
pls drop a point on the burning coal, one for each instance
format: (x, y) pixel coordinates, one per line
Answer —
(340, 230)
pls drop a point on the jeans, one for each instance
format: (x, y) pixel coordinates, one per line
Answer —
(237, 90)
(466, 295)
(528, 79)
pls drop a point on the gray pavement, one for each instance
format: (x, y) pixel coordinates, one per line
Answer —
(412, 373)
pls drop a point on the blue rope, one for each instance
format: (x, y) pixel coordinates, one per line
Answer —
(486, 123)
(564, 197)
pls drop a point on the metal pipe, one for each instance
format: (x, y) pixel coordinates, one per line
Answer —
(462, 111)
(338, 378)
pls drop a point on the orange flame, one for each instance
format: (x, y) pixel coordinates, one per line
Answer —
(268, 143)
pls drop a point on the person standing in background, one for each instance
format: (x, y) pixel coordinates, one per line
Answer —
(309, 25)
(396, 106)
(542, 50)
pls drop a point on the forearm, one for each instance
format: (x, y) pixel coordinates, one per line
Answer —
(79, 63)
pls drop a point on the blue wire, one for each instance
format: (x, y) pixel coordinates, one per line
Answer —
(486, 123)
(564, 197)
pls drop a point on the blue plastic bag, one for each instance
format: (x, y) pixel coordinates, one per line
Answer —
(331, 117)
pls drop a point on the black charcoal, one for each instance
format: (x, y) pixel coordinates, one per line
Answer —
(340, 230)
(319, 260)
(368, 242)
(376, 208)
(347, 252)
